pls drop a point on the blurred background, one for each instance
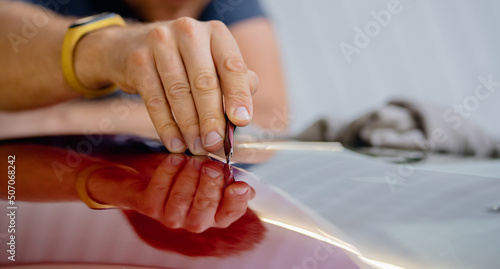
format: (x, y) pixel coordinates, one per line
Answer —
(428, 50)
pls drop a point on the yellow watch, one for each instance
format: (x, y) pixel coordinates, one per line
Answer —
(81, 183)
(74, 33)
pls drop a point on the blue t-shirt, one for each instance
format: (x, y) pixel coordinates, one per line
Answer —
(227, 11)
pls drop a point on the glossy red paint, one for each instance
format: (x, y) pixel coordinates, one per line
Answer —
(56, 228)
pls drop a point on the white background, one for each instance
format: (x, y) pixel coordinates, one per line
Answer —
(431, 50)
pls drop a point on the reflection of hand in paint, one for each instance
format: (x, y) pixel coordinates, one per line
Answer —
(177, 190)
(183, 192)
(242, 235)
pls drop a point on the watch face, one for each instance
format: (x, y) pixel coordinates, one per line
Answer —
(94, 18)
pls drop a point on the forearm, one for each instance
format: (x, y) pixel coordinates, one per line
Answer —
(108, 116)
(30, 71)
(44, 173)
(50, 174)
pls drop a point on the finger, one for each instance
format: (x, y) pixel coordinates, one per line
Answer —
(155, 195)
(233, 74)
(182, 194)
(177, 89)
(197, 56)
(254, 81)
(234, 203)
(151, 90)
(201, 216)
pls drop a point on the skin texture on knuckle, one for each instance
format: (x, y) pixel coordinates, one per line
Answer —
(167, 127)
(214, 188)
(205, 203)
(159, 33)
(179, 197)
(190, 124)
(206, 82)
(155, 103)
(159, 187)
(218, 26)
(240, 96)
(195, 227)
(171, 223)
(211, 119)
(236, 65)
(133, 71)
(139, 58)
(187, 26)
(178, 90)
(219, 30)
(163, 172)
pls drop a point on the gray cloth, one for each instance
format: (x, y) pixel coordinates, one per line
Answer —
(411, 125)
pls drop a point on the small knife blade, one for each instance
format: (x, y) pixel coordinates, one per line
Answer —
(228, 151)
(228, 140)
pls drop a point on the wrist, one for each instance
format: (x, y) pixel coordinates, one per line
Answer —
(91, 58)
(108, 185)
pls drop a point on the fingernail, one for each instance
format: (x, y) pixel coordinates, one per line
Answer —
(240, 191)
(212, 139)
(176, 144)
(198, 147)
(176, 160)
(241, 113)
(211, 172)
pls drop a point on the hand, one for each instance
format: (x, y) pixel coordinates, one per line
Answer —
(184, 192)
(184, 70)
